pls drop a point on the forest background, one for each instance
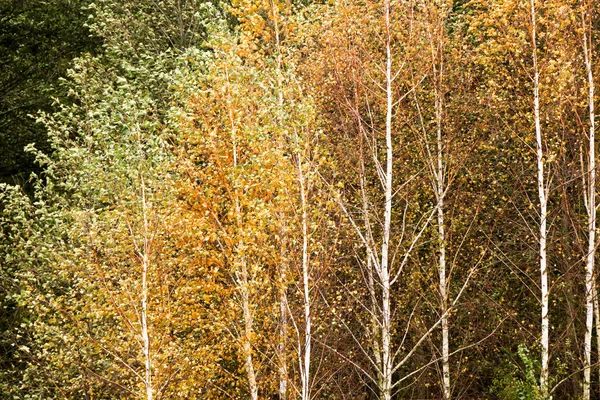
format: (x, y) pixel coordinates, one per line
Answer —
(272, 199)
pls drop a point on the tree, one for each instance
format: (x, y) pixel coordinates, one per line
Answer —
(366, 89)
(120, 253)
(38, 41)
(242, 188)
(542, 194)
(590, 202)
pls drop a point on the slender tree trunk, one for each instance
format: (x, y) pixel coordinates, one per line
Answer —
(247, 338)
(283, 304)
(597, 316)
(443, 285)
(444, 302)
(282, 347)
(145, 335)
(591, 209)
(243, 279)
(374, 328)
(386, 353)
(438, 67)
(144, 306)
(244, 288)
(305, 286)
(544, 373)
(283, 316)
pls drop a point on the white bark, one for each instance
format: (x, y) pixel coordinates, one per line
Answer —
(247, 337)
(380, 274)
(144, 306)
(597, 316)
(243, 280)
(542, 194)
(145, 336)
(591, 211)
(283, 318)
(283, 304)
(305, 362)
(443, 285)
(440, 189)
(384, 273)
(243, 283)
(374, 323)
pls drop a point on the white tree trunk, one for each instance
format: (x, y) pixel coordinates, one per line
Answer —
(443, 285)
(283, 318)
(283, 304)
(591, 211)
(597, 316)
(386, 353)
(242, 280)
(305, 362)
(247, 337)
(370, 273)
(243, 283)
(145, 335)
(544, 373)
(144, 306)
(440, 189)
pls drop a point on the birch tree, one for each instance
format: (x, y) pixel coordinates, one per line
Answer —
(437, 39)
(590, 201)
(371, 90)
(543, 213)
(299, 141)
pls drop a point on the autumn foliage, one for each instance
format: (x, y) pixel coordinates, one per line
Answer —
(312, 200)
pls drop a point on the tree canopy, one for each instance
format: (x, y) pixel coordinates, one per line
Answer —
(312, 200)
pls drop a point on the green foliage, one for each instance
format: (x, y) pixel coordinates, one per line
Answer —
(149, 26)
(38, 41)
(516, 382)
(33, 236)
(108, 140)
